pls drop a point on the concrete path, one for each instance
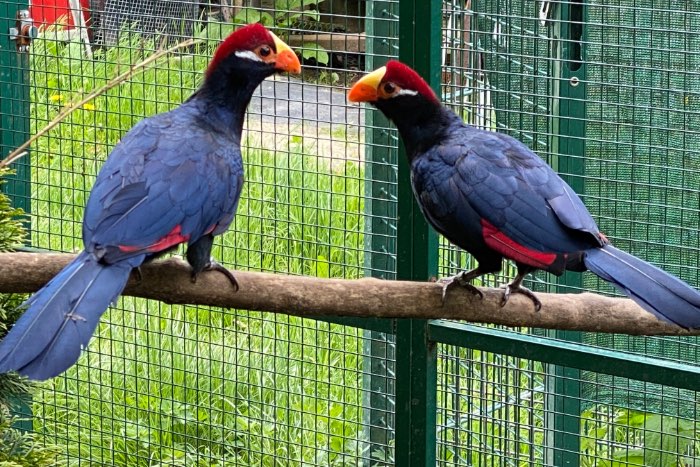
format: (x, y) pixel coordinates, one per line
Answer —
(296, 100)
(289, 115)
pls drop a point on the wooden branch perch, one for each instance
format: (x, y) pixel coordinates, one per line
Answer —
(169, 281)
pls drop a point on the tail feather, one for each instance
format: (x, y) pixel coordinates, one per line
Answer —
(59, 319)
(655, 290)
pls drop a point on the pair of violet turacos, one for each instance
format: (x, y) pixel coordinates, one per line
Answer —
(177, 177)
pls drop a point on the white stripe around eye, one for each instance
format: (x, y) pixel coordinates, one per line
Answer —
(249, 54)
(406, 92)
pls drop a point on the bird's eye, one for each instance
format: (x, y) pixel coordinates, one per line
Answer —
(389, 88)
(265, 51)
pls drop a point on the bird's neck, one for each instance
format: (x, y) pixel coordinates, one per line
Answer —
(420, 122)
(226, 93)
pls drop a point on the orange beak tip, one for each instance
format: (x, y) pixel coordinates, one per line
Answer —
(288, 61)
(362, 92)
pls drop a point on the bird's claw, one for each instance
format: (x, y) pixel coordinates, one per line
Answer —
(214, 266)
(459, 280)
(519, 289)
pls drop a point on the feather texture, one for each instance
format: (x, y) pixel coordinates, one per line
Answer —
(174, 178)
(491, 195)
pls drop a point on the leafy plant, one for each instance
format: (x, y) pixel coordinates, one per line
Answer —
(646, 439)
(314, 50)
(285, 15)
(11, 234)
(17, 448)
(331, 78)
(23, 449)
(11, 230)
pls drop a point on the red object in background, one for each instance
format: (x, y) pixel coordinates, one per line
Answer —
(46, 12)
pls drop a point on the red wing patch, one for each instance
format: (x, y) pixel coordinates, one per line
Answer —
(511, 249)
(173, 238)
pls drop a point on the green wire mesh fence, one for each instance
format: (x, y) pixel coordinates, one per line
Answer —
(604, 91)
(170, 385)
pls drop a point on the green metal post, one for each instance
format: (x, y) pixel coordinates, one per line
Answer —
(420, 32)
(381, 154)
(416, 391)
(14, 104)
(564, 404)
(14, 130)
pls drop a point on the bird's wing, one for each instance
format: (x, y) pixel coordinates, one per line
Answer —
(168, 181)
(494, 187)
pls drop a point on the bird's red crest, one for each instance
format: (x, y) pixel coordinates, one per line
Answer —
(407, 78)
(245, 38)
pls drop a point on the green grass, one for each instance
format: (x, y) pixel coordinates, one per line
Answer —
(188, 385)
(192, 381)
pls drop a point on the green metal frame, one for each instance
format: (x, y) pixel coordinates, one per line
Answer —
(380, 174)
(563, 400)
(14, 130)
(414, 256)
(562, 351)
(566, 353)
(14, 104)
(417, 250)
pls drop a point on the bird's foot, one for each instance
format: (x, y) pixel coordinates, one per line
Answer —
(519, 289)
(214, 266)
(458, 280)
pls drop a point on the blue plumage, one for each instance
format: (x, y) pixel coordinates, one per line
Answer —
(491, 195)
(61, 318)
(174, 178)
(655, 290)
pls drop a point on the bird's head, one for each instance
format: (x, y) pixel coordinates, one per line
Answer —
(255, 49)
(407, 100)
(392, 83)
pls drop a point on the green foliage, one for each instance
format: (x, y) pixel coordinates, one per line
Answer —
(313, 50)
(643, 439)
(23, 449)
(250, 15)
(11, 230)
(331, 78)
(17, 448)
(285, 15)
(12, 234)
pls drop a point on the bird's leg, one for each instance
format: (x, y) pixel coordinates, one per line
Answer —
(463, 279)
(137, 274)
(199, 257)
(515, 286)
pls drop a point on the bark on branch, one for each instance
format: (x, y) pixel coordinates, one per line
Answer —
(169, 281)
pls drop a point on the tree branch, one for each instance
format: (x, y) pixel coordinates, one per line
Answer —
(169, 281)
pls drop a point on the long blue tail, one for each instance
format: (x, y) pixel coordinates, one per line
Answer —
(60, 319)
(655, 290)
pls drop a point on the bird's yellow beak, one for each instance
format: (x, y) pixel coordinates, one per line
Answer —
(365, 90)
(286, 59)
